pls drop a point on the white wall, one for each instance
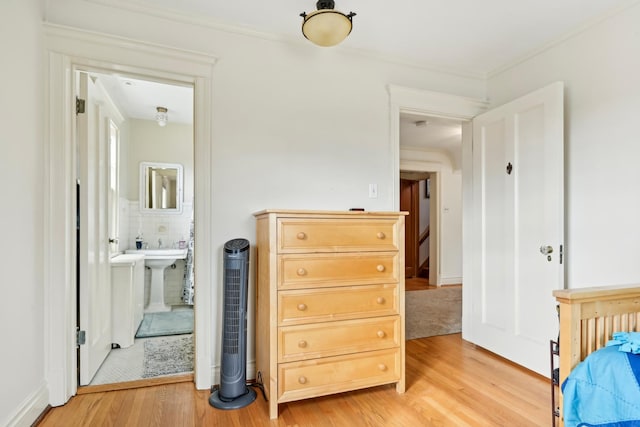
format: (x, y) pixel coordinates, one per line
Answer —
(451, 227)
(601, 71)
(424, 221)
(294, 125)
(23, 393)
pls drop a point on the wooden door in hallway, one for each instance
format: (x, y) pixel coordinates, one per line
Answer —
(409, 202)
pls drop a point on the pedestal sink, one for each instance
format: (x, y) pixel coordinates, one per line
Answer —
(157, 260)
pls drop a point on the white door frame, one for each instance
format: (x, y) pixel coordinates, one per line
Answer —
(408, 100)
(68, 49)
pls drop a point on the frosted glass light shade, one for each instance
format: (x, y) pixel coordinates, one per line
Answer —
(161, 116)
(326, 27)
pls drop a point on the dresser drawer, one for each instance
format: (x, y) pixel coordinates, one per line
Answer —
(335, 338)
(336, 374)
(318, 270)
(336, 235)
(342, 303)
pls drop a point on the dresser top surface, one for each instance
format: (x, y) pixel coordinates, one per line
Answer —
(320, 213)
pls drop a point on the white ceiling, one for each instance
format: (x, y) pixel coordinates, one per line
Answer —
(139, 99)
(434, 134)
(470, 37)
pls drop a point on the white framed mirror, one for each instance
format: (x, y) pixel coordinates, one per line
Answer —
(160, 187)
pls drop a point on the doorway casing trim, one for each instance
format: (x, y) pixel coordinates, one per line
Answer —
(409, 100)
(68, 49)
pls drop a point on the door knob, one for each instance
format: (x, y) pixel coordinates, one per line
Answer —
(546, 250)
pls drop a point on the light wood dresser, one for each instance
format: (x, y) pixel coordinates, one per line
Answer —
(330, 302)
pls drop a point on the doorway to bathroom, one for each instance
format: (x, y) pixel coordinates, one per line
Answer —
(68, 50)
(135, 192)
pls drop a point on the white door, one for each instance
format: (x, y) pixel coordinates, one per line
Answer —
(517, 230)
(95, 274)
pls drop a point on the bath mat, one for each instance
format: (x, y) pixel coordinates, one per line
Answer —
(168, 356)
(166, 323)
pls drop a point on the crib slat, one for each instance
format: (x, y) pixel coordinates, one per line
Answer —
(616, 323)
(600, 333)
(591, 335)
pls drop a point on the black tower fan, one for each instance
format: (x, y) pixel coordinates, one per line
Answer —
(233, 392)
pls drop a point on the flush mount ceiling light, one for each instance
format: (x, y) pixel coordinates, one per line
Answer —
(326, 26)
(162, 116)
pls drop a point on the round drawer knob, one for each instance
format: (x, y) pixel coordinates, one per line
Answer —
(380, 300)
(380, 235)
(301, 236)
(381, 334)
(302, 344)
(302, 272)
(302, 380)
(382, 367)
(302, 307)
(380, 268)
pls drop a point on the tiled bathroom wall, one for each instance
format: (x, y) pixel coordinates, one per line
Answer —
(170, 229)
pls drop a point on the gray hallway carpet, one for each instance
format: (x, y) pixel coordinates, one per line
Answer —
(433, 312)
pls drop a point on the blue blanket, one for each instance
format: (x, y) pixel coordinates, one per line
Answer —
(627, 341)
(603, 390)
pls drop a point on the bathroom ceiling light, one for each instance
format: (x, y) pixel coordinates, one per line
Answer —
(326, 26)
(162, 116)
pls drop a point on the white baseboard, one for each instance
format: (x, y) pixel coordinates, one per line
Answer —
(445, 281)
(251, 372)
(30, 409)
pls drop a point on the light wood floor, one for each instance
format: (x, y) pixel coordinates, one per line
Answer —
(450, 382)
(417, 284)
(422, 284)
